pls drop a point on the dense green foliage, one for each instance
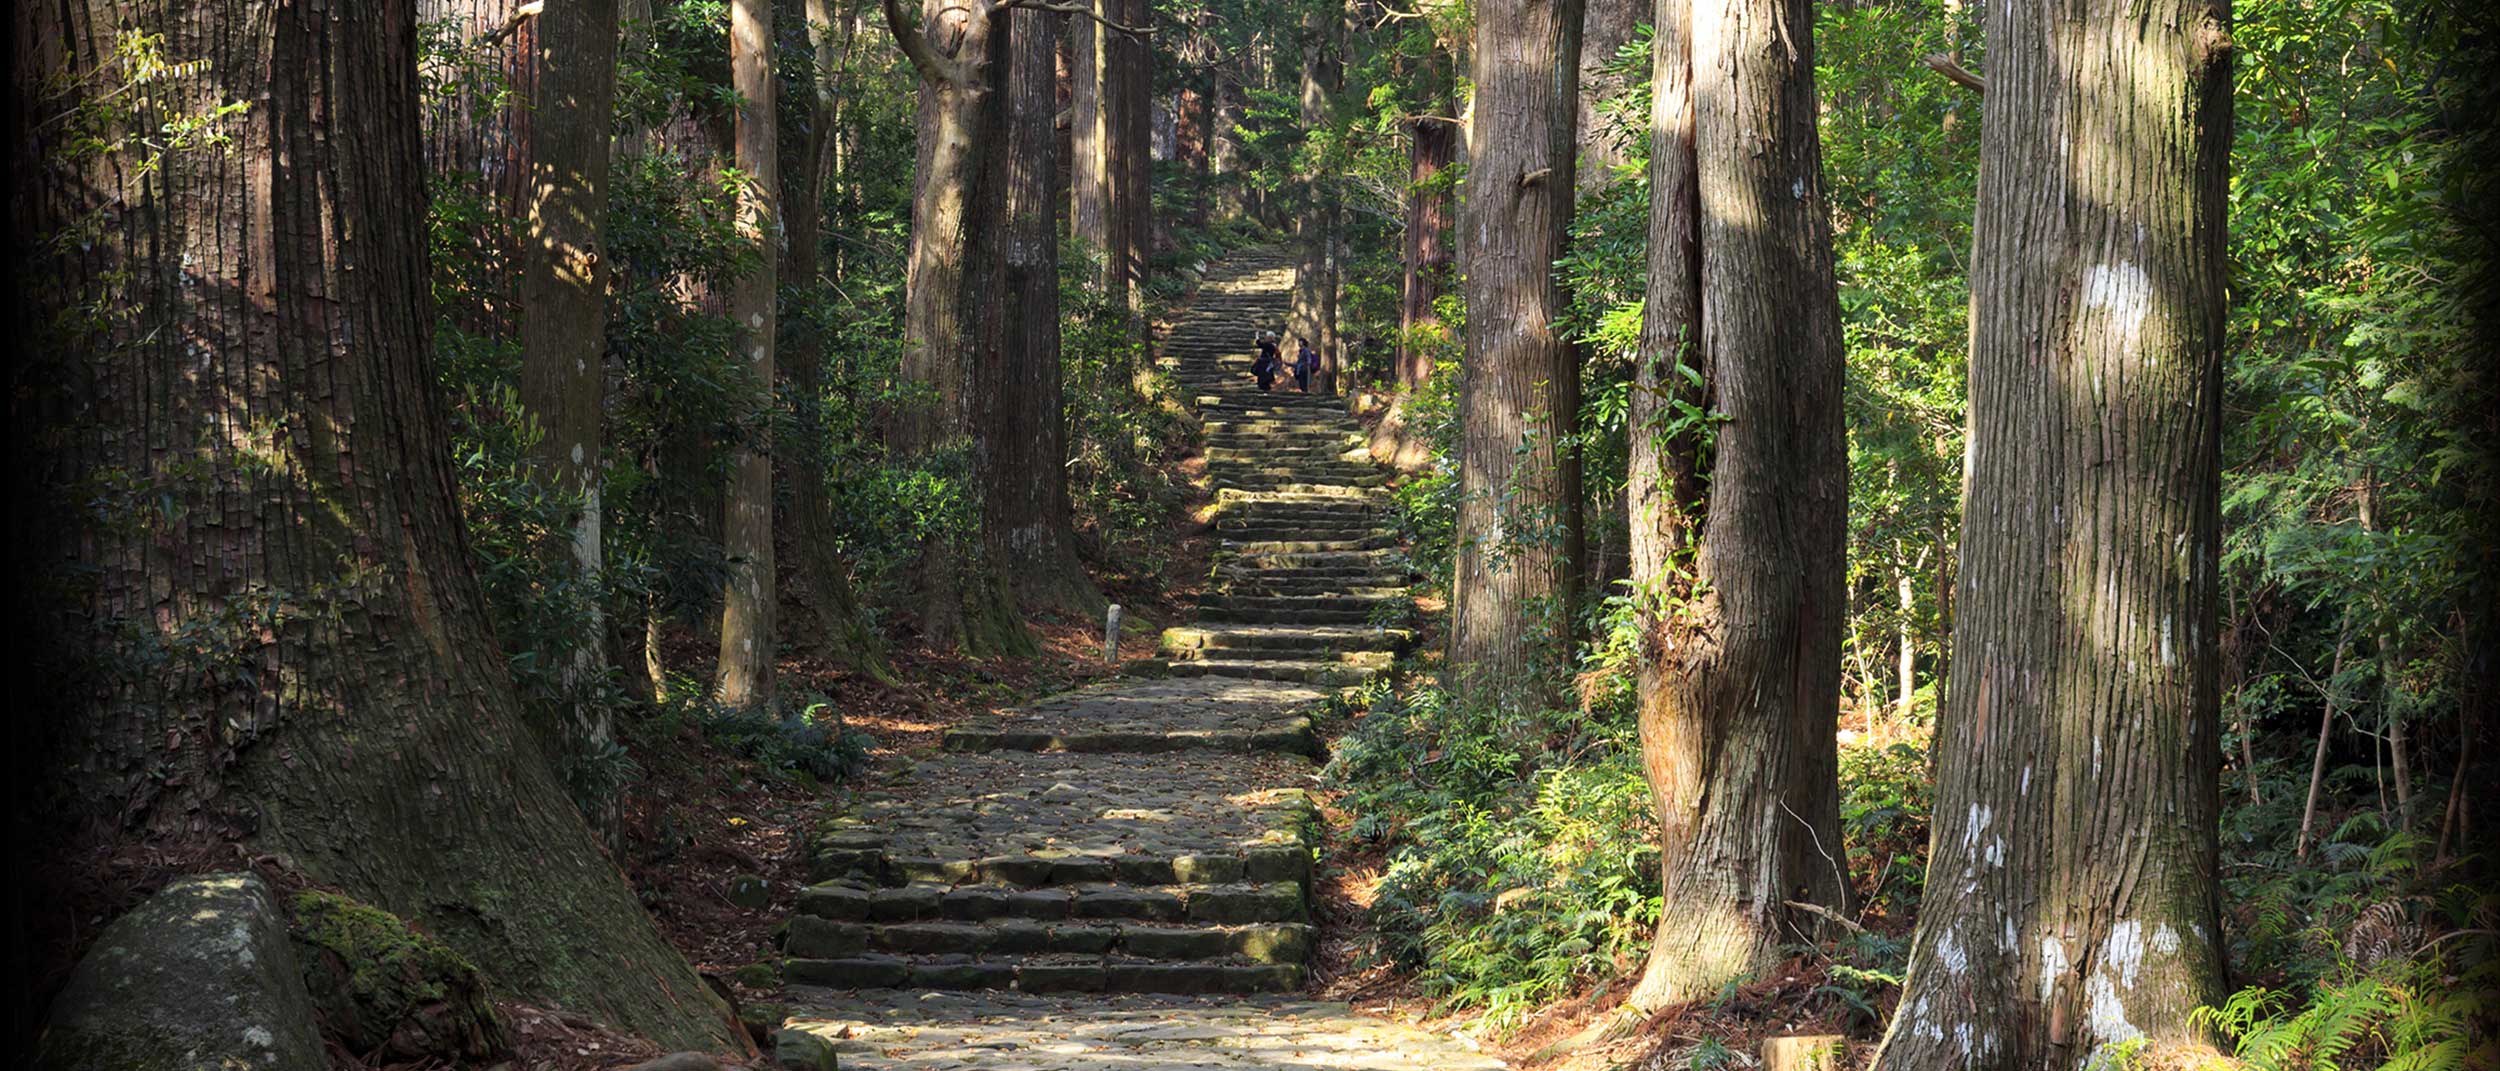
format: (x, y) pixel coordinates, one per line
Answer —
(2353, 477)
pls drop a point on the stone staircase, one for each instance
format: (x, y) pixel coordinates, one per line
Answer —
(1143, 836)
(1310, 586)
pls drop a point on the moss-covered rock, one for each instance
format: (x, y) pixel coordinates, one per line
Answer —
(198, 976)
(762, 1021)
(381, 988)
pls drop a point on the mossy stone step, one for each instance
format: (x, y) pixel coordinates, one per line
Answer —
(1214, 890)
(1187, 641)
(1045, 973)
(1291, 736)
(811, 937)
(1325, 674)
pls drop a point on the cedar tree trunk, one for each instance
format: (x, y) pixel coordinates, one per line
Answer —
(1740, 683)
(257, 565)
(1519, 388)
(2071, 890)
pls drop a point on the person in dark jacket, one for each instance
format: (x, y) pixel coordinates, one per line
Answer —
(1265, 368)
(1305, 365)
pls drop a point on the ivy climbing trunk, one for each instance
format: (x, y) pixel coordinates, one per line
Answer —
(564, 288)
(1519, 388)
(259, 606)
(2070, 905)
(1738, 497)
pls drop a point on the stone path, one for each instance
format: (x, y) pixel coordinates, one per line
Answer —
(1119, 877)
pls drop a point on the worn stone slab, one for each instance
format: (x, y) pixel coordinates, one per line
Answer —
(1154, 716)
(1046, 817)
(890, 1030)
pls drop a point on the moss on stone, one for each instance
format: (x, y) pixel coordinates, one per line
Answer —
(379, 985)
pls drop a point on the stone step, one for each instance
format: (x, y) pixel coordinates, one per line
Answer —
(1376, 660)
(1195, 641)
(1151, 717)
(1019, 817)
(1223, 892)
(1377, 498)
(1302, 602)
(1251, 547)
(1044, 973)
(1317, 562)
(1344, 472)
(1287, 483)
(1344, 514)
(1252, 580)
(1234, 616)
(1261, 942)
(1322, 674)
(1288, 584)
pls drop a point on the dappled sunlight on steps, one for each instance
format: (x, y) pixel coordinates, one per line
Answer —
(984, 906)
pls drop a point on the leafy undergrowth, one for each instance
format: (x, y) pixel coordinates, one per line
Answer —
(1499, 878)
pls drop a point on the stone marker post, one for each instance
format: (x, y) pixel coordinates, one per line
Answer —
(1111, 635)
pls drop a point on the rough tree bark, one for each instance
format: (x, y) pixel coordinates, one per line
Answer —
(1744, 583)
(1314, 312)
(749, 600)
(1132, 158)
(952, 324)
(1091, 110)
(1519, 389)
(564, 287)
(1610, 26)
(1432, 146)
(1027, 429)
(806, 509)
(2071, 891)
(257, 574)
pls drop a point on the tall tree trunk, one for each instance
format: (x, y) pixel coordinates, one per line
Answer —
(843, 634)
(260, 596)
(1226, 200)
(1314, 315)
(952, 319)
(749, 601)
(1740, 693)
(1432, 144)
(1610, 26)
(1132, 159)
(1090, 119)
(1519, 388)
(1029, 452)
(2071, 899)
(564, 287)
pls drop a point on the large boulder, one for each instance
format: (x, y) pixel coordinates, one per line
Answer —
(198, 977)
(382, 989)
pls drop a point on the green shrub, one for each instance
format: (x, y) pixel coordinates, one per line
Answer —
(1515, 874)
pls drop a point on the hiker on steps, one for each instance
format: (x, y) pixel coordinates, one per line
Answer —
(1305, 364)
(1268, 364)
